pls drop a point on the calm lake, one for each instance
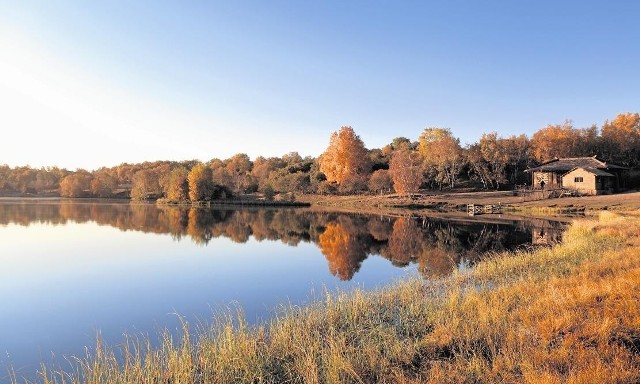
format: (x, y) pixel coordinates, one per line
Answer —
(71, 270)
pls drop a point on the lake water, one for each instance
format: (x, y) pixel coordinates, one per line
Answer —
(71, 270)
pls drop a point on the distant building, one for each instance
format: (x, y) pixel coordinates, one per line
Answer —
(586, 175)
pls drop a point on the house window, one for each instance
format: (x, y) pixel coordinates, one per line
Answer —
(577, 180)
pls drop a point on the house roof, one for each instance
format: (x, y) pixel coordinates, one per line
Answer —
(571, 163)
(595, 171)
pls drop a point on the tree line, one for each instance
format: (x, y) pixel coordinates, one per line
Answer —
(436, 160)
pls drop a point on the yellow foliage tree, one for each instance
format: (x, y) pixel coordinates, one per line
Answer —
(177, 187)
(442, 154)
(201, 187)
(346, 157)
(553, 141)
(621, 138)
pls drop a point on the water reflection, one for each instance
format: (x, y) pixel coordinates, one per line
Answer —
(437, 245)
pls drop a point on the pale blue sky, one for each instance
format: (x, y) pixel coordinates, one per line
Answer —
(91, 83)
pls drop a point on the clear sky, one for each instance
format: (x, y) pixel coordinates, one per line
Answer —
(92, 83)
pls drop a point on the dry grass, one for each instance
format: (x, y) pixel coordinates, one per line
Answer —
(568, 314)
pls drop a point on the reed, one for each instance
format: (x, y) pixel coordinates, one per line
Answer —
(566, 314)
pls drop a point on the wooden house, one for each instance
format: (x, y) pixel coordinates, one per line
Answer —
(586, 175)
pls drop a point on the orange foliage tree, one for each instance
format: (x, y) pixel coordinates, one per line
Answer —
(563, 140)
(346, 157)
(406, 171)
(75, 184)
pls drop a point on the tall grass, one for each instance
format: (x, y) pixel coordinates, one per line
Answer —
(567, 314)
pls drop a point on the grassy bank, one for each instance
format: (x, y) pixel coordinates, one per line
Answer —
(570, 313)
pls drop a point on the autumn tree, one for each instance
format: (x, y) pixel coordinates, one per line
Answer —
(23, 179)
(380, 181)
(145, 185)
(5, 172)
(494, 152)
(103, 183)
(442, 153)
(220, 173)
(406, 171)
(346, 157)
(478, 168)
(48, 179)
(262, 168)
(239, 170)
(201, 186)
(177, 187)
(517, 148)
(621, 139)
(563, 140)
(552, 141)
(76, 184)
(397, 144)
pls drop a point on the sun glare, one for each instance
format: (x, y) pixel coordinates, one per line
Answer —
(54, 106)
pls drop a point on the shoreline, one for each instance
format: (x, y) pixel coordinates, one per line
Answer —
(447, 202)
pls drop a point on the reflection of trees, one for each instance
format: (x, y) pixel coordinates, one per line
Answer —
(436, 262)
(436, 245)
(204, 224)
(404, 242)
(238, 228)
(380, 228)
(177, 220)
(343, 248)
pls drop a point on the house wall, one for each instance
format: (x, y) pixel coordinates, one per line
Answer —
(590, 185)
(553, 180)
